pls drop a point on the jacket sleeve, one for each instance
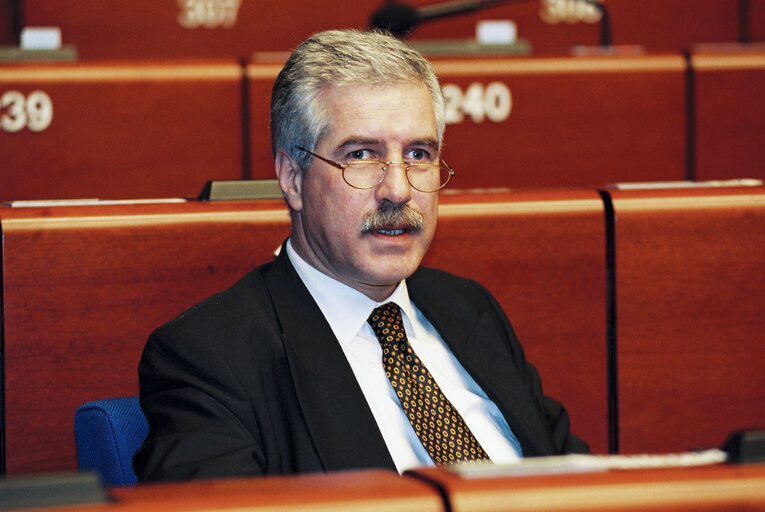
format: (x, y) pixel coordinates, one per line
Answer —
(200, 421)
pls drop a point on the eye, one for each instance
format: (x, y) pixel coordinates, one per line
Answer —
(359, 154)
(418, 154)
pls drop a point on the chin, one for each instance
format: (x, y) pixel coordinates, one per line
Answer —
(393, 273)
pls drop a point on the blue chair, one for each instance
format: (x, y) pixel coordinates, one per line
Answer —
(108, 432)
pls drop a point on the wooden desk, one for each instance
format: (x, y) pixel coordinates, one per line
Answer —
(690, 289)
(118, 130)
(235, 28)
(553, 28)
(687, 489)
(85, 285)
(757, 20)
(532, 122)
(83, 288)
(729, 83)
(542, 254)
(363, 491)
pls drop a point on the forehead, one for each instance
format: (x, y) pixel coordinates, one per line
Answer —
(397, 110)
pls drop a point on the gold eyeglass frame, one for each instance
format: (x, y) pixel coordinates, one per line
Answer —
(385, 167)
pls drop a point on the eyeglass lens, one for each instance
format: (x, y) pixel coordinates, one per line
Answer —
(423, 177)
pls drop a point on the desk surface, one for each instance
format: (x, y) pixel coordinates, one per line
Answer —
(696, 488)
(718, 487)
(359, 491)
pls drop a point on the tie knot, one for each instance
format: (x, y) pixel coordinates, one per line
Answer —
(386, 323)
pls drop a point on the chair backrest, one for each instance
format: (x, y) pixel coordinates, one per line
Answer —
(108, 432)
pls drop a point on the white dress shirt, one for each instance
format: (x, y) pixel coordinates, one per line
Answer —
(346, 310)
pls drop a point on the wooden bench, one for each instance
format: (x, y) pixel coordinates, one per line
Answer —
(83, 288)
(728, 94)
(118, 129)
(542, 255)
(530, 122)
(235, 28)
(85, 285)
(690, 290)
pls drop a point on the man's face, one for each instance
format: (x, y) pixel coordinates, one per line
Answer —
(389, 123)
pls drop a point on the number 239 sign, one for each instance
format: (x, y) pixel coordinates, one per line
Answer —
(33, 112)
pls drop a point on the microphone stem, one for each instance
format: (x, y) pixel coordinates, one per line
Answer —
(444, 9)
(605, 22)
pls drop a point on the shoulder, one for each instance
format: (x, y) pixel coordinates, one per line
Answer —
(229, 318)
(438, 282)
(436, 290)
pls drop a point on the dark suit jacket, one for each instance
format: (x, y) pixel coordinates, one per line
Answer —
(252, 381)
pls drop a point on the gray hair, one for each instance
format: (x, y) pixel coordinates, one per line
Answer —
(337, 58)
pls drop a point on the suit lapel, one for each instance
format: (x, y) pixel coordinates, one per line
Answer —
(480, 345)
(340, 423)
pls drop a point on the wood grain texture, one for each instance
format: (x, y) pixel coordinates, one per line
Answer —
(365, 491)
(757, 20)
(108, 30)
(690, 294)
(708, 488)
(730, 127)
(124, 130)
(574, 121)
(84, 286)
(542, 254)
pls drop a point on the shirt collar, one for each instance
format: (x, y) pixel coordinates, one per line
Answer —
(346, 309)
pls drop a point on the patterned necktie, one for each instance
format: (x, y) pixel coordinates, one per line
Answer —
(441, 429)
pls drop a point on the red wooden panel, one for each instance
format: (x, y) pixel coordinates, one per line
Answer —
(369, 490)
(757, 20)
(178, 28)
(542, 254)
(127, 130)
(84, 287)
(7, 35)
(730, 126)
(107, 29)
(555, 26)
(708, 488)
(550, 121)
(690, 292)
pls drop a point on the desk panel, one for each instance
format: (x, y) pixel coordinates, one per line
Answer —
(730, 127)
(688, 489)
(530, 122)
(364, 491)
(757, 20)
(118, 130)
(235, 28)
(542, 255)
(83, 288)
(690, 282)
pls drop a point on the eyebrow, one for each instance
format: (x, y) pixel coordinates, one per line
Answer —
(360, 141)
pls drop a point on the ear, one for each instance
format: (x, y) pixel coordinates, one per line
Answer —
(290, 180)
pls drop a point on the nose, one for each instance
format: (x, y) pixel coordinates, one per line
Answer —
(395, 186)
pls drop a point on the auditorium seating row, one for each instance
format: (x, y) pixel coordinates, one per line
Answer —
(235, 28)
(642, 309)
(146, 129)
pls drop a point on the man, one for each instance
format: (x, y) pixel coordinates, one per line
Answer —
(294, 368)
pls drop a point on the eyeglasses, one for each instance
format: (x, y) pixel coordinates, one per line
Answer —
(366, 174)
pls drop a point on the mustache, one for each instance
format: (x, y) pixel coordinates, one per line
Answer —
(392, 216)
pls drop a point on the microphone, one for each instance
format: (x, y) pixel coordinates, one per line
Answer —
(401, 19)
